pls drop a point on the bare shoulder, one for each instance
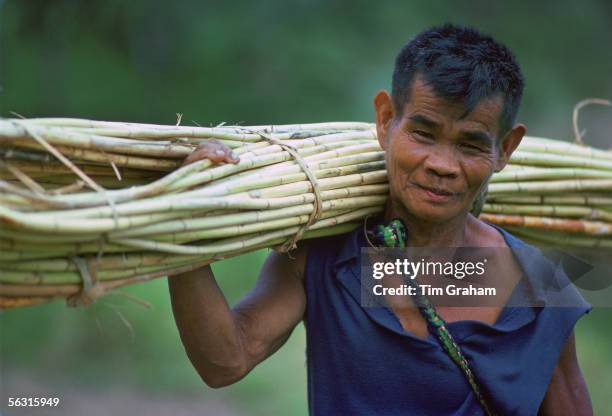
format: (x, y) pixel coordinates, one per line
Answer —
(292, 262)
(295, 261)
(484, 235)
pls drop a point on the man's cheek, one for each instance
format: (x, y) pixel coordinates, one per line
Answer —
(404, 180)
(480, 165)
(395, 171)
(477, 169)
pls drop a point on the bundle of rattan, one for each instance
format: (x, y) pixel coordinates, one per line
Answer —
(75, 240)
(556, 194)
(102, 211)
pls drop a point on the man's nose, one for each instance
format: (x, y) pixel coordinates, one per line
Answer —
(442, 161)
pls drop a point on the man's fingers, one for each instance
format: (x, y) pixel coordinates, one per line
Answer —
(190, 159)
(214, 151)
(231, 158)
(215, 156)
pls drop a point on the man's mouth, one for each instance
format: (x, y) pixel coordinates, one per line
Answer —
(437, 191)
(436, 194)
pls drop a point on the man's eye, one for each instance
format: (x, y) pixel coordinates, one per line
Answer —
(473, 147)
(422, 133)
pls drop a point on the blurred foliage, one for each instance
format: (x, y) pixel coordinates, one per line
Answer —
(257, 63)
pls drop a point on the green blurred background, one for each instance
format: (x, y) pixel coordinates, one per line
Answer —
(252, 63)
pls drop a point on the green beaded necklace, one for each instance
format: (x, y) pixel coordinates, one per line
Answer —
(395, 235)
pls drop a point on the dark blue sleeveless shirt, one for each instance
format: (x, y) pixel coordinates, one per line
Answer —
(362, 362)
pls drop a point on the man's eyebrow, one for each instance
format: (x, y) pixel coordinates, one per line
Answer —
(418, 118)
(477, 136)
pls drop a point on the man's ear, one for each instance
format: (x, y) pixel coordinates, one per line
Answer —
(385, 112)
(508, 145)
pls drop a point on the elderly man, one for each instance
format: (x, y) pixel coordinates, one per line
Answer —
(447, 126)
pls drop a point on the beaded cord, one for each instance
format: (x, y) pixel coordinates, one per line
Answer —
(395, 235)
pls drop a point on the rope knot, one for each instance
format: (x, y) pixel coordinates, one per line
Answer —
(91, 289)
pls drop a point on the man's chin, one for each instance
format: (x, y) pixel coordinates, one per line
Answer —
(433, 213)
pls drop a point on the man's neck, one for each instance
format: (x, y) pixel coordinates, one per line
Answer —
(452, 233)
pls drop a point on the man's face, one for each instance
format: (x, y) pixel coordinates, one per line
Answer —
(438, 162)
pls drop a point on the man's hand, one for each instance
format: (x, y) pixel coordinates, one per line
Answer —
(214, 151)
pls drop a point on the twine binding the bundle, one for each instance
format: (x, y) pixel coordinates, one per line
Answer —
(290, 244)
(90, 289)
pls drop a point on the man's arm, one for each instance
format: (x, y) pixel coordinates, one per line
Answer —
(224, 343)
(567, 393)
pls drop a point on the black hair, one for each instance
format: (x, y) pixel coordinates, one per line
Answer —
(460, 64)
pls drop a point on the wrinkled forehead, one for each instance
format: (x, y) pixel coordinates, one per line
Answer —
(423, 98)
